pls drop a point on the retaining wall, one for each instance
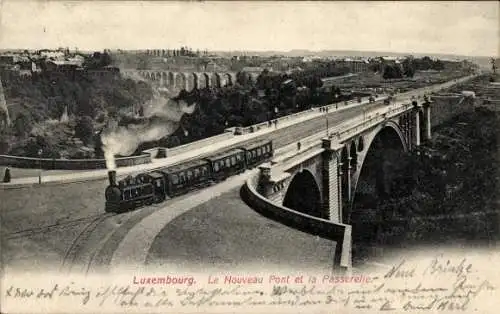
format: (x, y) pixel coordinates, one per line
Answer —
(445, 108)
(340, 233)
(70, 164)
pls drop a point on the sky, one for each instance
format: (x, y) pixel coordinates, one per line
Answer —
(462, 28)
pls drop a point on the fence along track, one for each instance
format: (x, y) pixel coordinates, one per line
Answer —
(72, 253)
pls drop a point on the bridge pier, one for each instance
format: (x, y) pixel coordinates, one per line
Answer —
(407, 128)
(273, 186)
(427, 112)
(416, 131)
(332, 178)
(349, 173)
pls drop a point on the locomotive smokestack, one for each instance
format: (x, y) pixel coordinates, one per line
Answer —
(112, 177)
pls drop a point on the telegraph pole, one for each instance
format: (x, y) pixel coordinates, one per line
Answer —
(326, 118)
(40, 166)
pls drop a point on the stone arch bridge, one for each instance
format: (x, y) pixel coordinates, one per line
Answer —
(325, 184)
(323, 179)
(185, 80)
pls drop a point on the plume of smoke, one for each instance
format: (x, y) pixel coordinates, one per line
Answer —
(162, 117)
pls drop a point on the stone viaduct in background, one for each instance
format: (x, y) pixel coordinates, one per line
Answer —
(186, 80)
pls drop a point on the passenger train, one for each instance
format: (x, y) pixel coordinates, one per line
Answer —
(161, 184)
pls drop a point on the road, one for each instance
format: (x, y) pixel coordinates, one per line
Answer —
(40, 223)
(234, 236)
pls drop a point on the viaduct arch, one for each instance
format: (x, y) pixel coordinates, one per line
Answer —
(189, 80)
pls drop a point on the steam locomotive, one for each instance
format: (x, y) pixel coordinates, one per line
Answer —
(158, 185)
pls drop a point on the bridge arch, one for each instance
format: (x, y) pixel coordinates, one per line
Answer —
(361, 143)
(180, 81)
(385, 144)
(223, 79)
(215, 79)
(379, 171)
(353, 155)
(344, 170)
(171, 79)
(202, 80)
(304, 195)
(190, 81)
(421, 120)
(164, 79)
(229, 79)
(208, 80)
(196, 80)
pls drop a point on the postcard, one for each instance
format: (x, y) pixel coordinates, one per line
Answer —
(249, 157)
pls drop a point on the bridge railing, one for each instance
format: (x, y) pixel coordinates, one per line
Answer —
(290, 117)
(227, 134)
(350, 128)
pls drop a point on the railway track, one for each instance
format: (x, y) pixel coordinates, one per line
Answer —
(72, 254)
(26, 233)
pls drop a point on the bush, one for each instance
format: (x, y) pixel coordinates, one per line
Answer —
(84, 129)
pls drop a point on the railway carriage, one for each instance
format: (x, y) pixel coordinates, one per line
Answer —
(258, 152)
(182, 178)
(159, 182)
(227, 164)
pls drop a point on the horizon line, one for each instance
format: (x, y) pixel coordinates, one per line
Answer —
(248, 50)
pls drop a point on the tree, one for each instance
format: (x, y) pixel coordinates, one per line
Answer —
(243, 78)
(84, 129)
(375, 66)
(438, 65)
(4, 144)
(105, 59)
(45, 144)
(408, 67)
(22, 124)
(98, 151)
(392, 72)
(173, 141)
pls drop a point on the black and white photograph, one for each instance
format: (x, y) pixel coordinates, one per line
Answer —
(249, 156)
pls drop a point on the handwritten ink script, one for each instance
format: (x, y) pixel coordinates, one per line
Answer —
(439, 285)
